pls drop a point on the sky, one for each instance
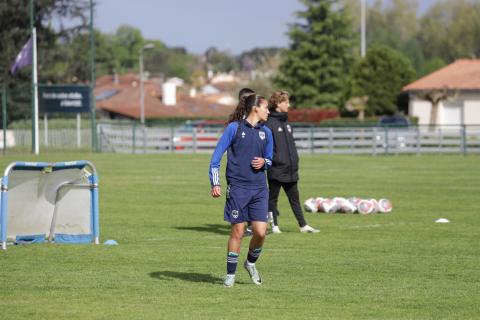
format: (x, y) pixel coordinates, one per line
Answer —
(196, 25)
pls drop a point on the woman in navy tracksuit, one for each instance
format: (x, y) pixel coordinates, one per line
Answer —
(250, 145)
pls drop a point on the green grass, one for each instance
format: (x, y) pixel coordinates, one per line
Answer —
(172, 241)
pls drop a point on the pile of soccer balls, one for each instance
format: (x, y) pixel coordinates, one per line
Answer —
(350, 205)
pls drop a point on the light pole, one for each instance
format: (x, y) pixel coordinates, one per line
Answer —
(92, 81)
(363, 31)
(142, 94)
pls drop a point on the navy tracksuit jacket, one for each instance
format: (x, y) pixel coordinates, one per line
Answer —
(243, 142)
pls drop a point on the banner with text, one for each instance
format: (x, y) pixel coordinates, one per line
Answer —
(64, 98)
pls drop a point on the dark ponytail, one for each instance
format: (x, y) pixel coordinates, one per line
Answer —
(245, 92)
(239, 112)
(245, 106)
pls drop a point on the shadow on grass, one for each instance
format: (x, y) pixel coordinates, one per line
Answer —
(187, 276)
(223, 229)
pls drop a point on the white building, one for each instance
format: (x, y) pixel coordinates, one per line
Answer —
(458, 85)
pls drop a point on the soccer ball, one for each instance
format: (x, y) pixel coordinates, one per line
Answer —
(318, 201)
(340, 203)
(328, 206)
(385, 205)
(349, 207)
(354, 203)
(345, 205)
(376, 207)
(310, 205)
(365, 206)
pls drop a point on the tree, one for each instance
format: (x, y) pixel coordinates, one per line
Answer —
(315, 67)
(395, 24)
(220, 61)
(262, 85)
(169, 62)
(263, 59)
(14, 33)
(451, 30)
(128, 41)
(380, 76)
(434, 97)
(72, 59)
(119, 53)
(431, 66)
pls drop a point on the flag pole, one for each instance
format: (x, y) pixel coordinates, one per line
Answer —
(35, 149)
(35, 93)
(92, 81)
(4, 117)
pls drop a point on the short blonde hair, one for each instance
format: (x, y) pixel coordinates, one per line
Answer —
(276, 98)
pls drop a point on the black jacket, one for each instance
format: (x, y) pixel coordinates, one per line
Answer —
(285, 157)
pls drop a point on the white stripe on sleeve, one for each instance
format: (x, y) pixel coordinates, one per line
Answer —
(215, 176)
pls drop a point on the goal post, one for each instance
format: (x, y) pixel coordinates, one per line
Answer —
(54, 202)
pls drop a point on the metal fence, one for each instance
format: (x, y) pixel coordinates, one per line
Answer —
(140, 139)
(69, 139)
(385, 140)
(133, 138)
(314, 140)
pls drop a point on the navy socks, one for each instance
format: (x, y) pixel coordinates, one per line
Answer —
(232, 261)
(253, 255)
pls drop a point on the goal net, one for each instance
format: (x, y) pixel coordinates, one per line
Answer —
(54, 202)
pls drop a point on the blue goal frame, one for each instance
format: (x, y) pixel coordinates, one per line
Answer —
(92, 185)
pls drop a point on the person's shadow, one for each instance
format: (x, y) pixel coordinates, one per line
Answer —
(187, 276)
(222, 229)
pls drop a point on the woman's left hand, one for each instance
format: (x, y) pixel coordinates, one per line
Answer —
(258, 163)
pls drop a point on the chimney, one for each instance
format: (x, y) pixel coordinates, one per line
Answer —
(115, 77)
(169, 93)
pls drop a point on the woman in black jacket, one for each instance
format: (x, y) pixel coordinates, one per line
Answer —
(284, 169)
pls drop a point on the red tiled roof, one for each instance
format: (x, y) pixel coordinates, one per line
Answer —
(226, 86)
(124, 79)
(126, 101)
(463, 74)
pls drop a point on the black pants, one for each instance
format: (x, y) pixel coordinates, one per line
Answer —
(291, 190)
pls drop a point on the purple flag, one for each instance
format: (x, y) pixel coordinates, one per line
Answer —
(24, 57)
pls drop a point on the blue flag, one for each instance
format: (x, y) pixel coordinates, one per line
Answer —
(24, 57)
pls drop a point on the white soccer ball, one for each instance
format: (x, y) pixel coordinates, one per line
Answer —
(328, 206)
(345, 205)
(349, 207)
(319, 200)
(310, 205)
(385, 205)
(365, 206)
(376, 207)
(354, 203)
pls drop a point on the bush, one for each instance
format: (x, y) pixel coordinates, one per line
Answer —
(381, 76)
(311, 115)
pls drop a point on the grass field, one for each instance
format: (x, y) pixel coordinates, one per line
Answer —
(171, 254)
